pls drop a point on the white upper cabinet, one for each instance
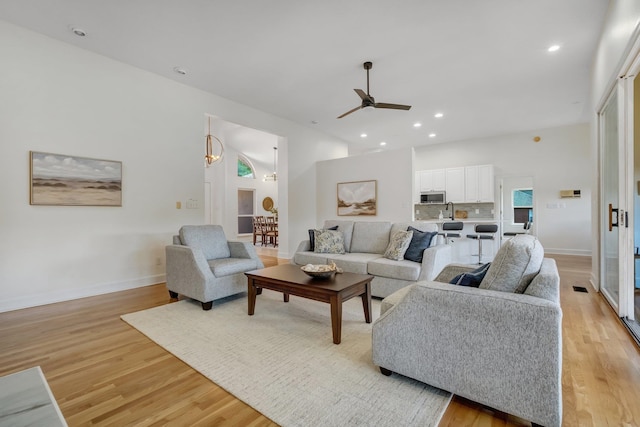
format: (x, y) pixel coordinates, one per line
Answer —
(432, 180)
(471, 184)
(455, 185)
(479, 184)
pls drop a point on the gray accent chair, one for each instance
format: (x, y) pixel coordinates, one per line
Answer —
(203, 265)
(499, 345)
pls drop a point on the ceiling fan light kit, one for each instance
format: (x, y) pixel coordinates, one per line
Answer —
(368, 101)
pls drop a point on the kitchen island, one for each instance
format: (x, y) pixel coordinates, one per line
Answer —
(465, 250)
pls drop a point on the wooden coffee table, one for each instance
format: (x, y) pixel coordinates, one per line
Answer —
(290, 280)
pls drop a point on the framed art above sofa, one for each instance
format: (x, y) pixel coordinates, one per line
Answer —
(357, 198)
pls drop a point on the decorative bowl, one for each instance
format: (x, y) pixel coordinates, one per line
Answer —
(320, 271)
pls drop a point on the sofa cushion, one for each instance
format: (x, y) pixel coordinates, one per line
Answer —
(398, 245)
(402, 270)
(329, 242)
(347, 230)
(312, 237)
(353, 263)
(472, 278)
(228, 266)
(210, 239)
(419, 242)
(304, 258)
(515, 265)
(370, 237)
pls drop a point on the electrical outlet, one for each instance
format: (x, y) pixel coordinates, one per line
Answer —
(477, 211)
(192, 204)
(158, 261)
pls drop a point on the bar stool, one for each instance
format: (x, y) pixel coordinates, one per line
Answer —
(484, 232)
(526, 228)
(449, 229)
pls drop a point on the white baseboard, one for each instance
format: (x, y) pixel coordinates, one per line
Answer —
(594, 282)
(18, 303)
(579, 252)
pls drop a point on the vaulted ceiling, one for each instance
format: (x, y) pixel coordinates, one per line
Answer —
(484, 65)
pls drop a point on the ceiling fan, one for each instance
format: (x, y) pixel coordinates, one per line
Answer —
(368, 101)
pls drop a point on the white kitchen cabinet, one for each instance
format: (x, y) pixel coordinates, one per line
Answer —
(479, 186)
(455, 184)
(432, 180)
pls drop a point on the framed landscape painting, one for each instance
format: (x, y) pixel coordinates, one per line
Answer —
(357, 198)
(63, 180)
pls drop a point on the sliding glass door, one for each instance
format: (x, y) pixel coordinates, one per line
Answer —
(611, 215)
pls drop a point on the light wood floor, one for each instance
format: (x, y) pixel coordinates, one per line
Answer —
(103, 372)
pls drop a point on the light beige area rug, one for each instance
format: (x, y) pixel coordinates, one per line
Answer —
(282, 361)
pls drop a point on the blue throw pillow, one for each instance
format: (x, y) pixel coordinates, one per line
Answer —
(472, 278)
(420, 241)
(312, 237)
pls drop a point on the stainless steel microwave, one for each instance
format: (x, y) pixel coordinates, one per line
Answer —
(433, 197)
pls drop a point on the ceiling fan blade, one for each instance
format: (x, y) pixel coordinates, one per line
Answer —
(350, 111)
(362, 94)
(392, 106)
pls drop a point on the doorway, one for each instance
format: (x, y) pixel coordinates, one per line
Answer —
(633, 321)
(619, 207)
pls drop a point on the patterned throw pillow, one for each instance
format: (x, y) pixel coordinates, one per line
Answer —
(398, 245)
(312, 237)
(328, 242)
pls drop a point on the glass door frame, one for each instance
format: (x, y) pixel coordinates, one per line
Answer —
(605, 214)
(627, 284)
(623, 304)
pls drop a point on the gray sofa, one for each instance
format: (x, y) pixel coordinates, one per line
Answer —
(489, 344)
(365, 243)
(203, 265)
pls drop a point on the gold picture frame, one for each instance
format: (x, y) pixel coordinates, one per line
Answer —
(357, 198)
(64, 180)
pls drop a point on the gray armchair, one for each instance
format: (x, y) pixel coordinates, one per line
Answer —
(203, 265)
(499, 344)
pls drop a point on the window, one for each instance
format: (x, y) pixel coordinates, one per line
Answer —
(522, 205)
(246, 210)
(245, 168)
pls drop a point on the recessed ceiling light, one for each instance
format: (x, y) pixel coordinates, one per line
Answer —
(554, 48)
(432, 135)
(180, 71)
(417, 124)
(363, 135)
(383, 143)
(78, 32)
(438, 115)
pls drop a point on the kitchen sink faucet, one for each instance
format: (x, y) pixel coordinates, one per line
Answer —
(447, 208)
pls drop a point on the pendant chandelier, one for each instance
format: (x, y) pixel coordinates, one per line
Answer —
(210, 157)
(274, 175)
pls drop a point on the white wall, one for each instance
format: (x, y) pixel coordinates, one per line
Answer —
(61, 99)
(560, 161)
(619, 32)
(393, 171)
